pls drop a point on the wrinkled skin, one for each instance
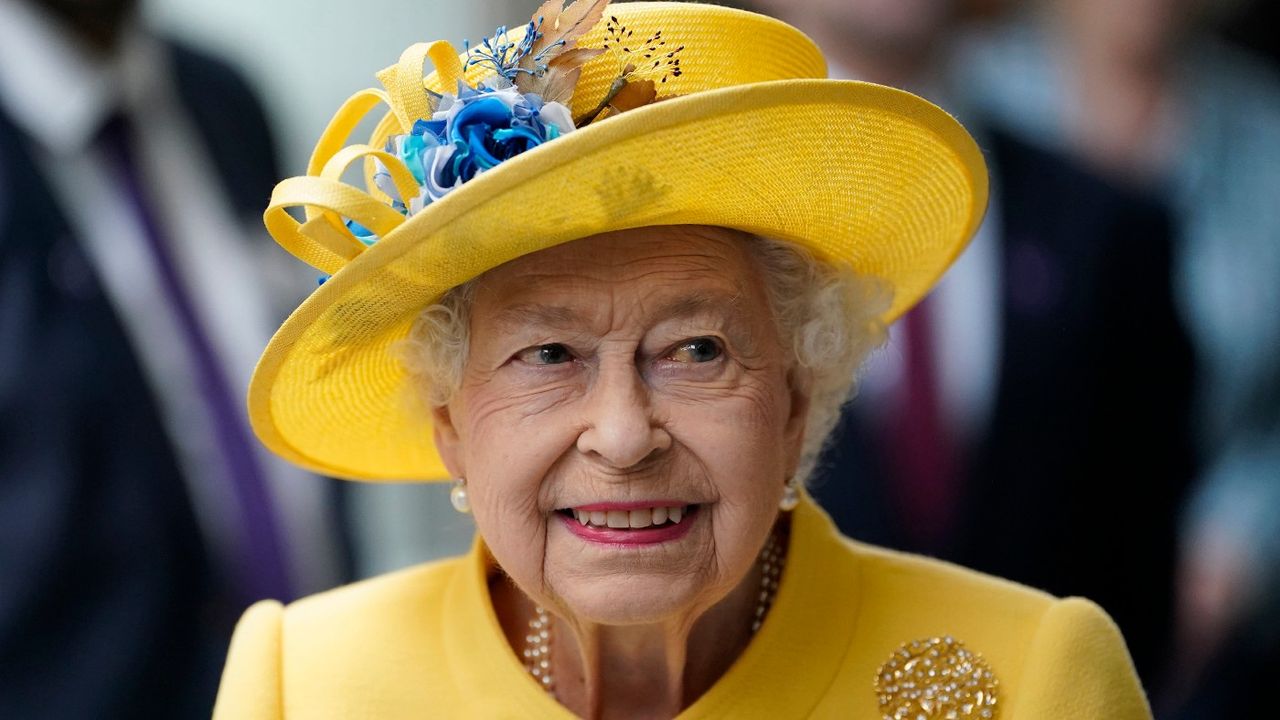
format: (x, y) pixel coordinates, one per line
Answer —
(634, 365)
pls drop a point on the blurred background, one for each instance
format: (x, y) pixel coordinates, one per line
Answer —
(1088, 403)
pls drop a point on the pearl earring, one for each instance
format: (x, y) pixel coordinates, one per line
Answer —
(790, 496)
(458, 496)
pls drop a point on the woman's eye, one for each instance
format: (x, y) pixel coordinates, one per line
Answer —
(551, 354)
(697, 350)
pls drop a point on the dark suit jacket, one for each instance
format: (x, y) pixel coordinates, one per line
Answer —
(109, 607)
(1074, 485)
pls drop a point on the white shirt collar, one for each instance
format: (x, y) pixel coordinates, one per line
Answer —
(60, 92)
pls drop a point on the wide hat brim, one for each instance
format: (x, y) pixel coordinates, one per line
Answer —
(859, 173)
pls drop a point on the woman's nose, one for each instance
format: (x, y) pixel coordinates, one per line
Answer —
(621, 429)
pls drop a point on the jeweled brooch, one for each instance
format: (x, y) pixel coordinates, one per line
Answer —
(936, 678)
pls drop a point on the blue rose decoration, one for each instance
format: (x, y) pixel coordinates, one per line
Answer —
(471, 133)
(484, 133)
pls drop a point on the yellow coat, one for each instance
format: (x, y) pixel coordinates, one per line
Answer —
(425, 643)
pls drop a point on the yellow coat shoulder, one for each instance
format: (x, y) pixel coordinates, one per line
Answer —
(1052, 658)
(373, 645)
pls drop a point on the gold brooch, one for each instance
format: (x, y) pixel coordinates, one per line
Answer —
(937, 678)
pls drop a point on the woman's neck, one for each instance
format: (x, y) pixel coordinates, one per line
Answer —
(652, 671)
(638, 671)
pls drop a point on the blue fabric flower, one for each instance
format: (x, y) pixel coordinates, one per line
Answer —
(469, 133)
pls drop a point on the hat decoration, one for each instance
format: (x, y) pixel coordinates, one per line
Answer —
(524, 102)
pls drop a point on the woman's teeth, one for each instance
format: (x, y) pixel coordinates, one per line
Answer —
(638, 518)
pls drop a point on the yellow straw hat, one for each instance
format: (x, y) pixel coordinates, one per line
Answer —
(747, 133)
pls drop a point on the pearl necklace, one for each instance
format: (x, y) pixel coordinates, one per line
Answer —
(537, 644)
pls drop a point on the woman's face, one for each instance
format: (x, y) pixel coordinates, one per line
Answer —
(616, 380)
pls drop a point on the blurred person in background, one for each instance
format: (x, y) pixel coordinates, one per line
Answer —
(1143, 91)
(1030, 416)
(136, 517)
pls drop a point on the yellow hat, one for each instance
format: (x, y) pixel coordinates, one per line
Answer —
(748, 134)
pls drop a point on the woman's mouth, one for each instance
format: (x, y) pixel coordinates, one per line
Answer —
(629, 523)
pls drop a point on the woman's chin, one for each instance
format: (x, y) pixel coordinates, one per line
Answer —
(629, 599)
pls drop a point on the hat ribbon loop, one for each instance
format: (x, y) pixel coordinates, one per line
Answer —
(323, 240)
(405, 81)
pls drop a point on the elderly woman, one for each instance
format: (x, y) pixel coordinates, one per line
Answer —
(625, 327)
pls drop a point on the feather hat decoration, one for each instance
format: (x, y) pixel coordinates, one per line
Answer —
(557, 29)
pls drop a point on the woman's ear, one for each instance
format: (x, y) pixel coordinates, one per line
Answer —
(448, 441)
(800, 389)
